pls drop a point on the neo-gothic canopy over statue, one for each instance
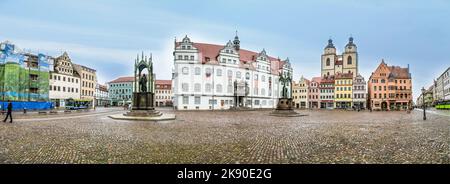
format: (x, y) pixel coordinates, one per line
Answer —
(143, 83)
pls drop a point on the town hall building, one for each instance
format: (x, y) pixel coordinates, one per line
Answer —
(215, 77)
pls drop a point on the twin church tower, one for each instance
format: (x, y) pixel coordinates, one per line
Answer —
(333, 64)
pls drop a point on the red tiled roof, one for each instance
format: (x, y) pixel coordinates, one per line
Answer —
(328, 79)
(164, 82)
(123, 79)
(247, 58)
(399, 73)
(316, 79)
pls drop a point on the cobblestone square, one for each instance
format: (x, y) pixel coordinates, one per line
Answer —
(228, 137)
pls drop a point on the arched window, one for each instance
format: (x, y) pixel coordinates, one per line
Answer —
(349, 60)
(328, 61)
(185, 71)
(238, 75)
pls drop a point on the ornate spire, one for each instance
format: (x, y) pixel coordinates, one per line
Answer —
(237, 42)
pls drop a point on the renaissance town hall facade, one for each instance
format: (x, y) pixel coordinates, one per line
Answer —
(215, 77)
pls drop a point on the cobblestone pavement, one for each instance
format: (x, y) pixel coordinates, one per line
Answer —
(230, 137)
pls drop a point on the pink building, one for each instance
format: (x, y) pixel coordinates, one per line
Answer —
(314, 93)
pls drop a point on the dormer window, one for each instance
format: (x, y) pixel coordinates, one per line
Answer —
(188, 47)
(183, 47)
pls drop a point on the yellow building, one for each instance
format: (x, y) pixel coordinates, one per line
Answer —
(300, 92)
(343, 91)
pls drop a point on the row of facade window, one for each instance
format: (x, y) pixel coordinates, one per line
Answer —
(326, 91)
(88, 77)
(380, 88)
(390, 80)
(162, 91)
(197, 71)
(343, 88)
(300, 91)
(300, 97)
(197, 101)
(343, 96)
(124, 97)
(359, 88)
(120, 85)
(87, 84)
(87, 93)
(63, 89)
(327, 97)
(391, 95)
(163, 97)
(230, 61)
(343, 82)
(69, 79)
(120, 91)
(186, 57)
(65, 70)
(219, 89)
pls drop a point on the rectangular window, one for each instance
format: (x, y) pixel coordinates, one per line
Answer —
(197, 100)
(185, 100)
(185, 87)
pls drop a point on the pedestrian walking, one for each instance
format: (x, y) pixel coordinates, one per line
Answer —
(9, 112)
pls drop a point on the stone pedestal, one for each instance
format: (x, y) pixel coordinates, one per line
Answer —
(143, 106)
(143, 101)
(285, 104)
(143, 110)
(285, 108)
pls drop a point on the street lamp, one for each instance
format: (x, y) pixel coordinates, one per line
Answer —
(423, 104)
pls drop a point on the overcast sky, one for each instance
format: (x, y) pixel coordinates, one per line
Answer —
(108, 34)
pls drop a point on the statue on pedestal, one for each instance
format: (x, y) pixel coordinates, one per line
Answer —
(143, 93)
(285, 102)
(143, 108)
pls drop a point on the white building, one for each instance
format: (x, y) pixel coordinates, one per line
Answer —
(208, 76)
(64, 82)
(163, 93)
(101, 95)
(446, 83)
(359, 92)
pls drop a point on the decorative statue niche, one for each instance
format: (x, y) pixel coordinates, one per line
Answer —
(144, 91)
